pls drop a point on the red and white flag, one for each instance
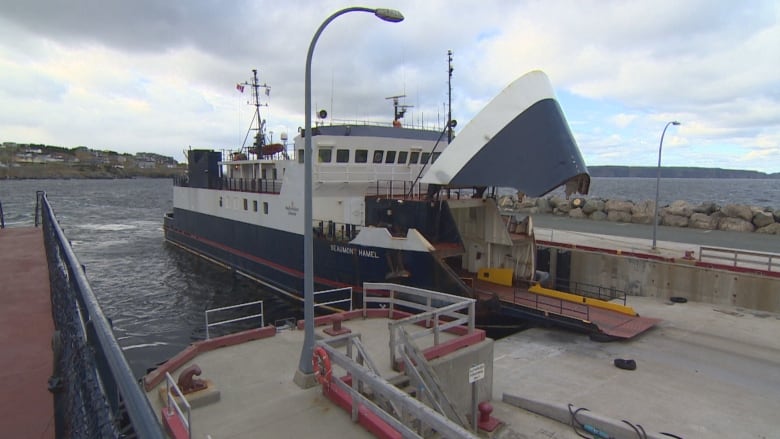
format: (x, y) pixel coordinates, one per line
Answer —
(240, 88)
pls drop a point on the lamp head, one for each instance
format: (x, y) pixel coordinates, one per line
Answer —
(390, 15)
(674, 122)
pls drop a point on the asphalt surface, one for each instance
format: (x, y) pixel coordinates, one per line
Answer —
(758, 242)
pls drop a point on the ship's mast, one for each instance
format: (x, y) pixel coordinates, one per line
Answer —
(449, 97)
(260, 129)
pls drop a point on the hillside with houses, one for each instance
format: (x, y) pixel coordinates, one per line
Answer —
(46, 161)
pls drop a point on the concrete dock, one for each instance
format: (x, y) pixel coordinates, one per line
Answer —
(705, 371)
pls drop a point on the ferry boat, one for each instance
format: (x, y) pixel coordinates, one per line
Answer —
(391, 203)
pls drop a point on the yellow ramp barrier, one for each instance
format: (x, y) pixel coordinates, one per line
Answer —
(501, 276)
(623, 309)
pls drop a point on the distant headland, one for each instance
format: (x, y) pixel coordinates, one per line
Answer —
(33, 161)
(676, 172)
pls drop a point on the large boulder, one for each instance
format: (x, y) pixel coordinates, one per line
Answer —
(598, 215)
(618, 206)
(772, 229)
(643, 212)
(618, 216)
(733, 224)
(762, 219)
(556, 201)
(644, 208)
(593, 205)
(576, 213)
(670, 219)
(680, 208)
(738, 211)
(703, 221)
(562, 209)
(707, 208)
(543, 205)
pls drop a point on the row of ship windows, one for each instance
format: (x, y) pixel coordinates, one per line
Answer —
(325, 155)
(246, 205)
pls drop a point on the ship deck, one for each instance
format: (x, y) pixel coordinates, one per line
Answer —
(26, 329)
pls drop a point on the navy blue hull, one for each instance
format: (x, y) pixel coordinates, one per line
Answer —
(276, 257)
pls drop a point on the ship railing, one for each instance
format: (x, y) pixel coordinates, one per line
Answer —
(432, 311)
(407, 415)
(338, 299)
(172, 407)
(599, 292)
(226, 321)
(96, 393)
(335, 231)
(740, 258)
(254, 185)
(552, 305)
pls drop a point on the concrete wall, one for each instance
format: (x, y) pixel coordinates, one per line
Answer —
(453, 373)
(642, 277)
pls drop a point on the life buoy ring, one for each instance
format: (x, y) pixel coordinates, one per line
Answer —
(322, 368)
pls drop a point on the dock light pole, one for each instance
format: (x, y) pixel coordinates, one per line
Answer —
(305, 374)
(658, 179)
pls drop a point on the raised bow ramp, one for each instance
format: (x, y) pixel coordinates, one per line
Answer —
(519, 140)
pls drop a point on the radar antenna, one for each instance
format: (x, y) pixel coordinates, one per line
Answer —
(398, 109)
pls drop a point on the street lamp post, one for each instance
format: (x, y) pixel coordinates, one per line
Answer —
(304, 375)
(658, 179)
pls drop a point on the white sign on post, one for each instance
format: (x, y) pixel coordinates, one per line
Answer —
(476, 372)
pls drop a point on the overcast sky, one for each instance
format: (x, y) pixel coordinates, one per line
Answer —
(160, 75)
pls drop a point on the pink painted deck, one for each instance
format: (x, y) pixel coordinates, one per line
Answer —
(26, 327)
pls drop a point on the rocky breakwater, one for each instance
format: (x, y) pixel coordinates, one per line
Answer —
(709, 216)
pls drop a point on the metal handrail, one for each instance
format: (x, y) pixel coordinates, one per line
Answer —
(171, 402)
(432, 306)
(347, 300)
(405, 409)
(740, 258)
(233, 320)
(114, 371)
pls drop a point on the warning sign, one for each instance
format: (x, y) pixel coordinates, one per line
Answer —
(476, 372)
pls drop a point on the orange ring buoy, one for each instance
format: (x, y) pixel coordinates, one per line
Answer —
(322, 368)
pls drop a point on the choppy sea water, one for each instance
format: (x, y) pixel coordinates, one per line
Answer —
(156, 294)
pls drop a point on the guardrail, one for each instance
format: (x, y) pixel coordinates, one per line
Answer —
(740, 258)
(405, 414)
(552, 305)
(172, 407)
(330, 303)
(95, 392)
(598, 292)
(236, 319)
(437, 311)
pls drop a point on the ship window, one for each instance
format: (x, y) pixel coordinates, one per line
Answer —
(425, 157)
(361, 156)
(254, 205)
(325, 155)
(390, 157)
(246, 204)
(342, 156)
(378, 156)
(402, 157)
(413, 157)
(435, 156)
(300, 156)
(265, 207)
